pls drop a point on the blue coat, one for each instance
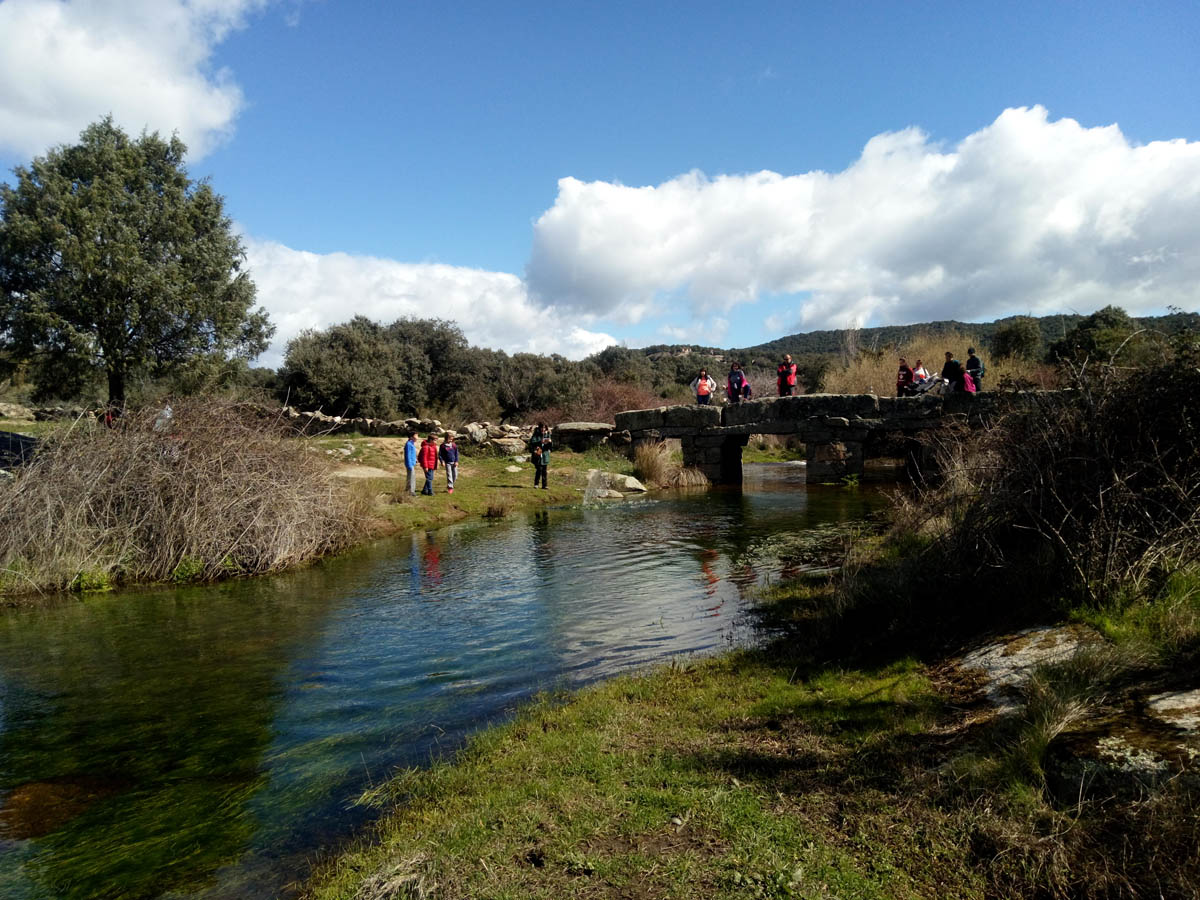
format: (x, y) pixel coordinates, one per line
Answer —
(410, 455)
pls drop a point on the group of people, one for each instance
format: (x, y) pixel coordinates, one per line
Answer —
(912, 380)
(428, 455)
(737, 385)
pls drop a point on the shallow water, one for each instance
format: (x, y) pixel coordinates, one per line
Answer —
(208, 742)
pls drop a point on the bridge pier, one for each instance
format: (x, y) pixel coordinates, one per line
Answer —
(718, 456)
(830, 461)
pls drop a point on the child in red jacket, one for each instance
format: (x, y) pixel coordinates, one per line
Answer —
(427, 456)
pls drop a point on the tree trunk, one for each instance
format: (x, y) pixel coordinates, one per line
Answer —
(116, 387)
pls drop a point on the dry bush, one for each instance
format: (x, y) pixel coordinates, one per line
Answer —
(1095, 491)
(873, 371)
(600, 403)
(654, 463)
(688, 477)
(210, 494)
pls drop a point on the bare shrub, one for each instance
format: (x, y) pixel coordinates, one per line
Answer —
(204, 494)
(1096, 490)
(603, 399)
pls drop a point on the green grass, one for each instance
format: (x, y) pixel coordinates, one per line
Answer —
(683, 783)
(483, 482)
(33, 429)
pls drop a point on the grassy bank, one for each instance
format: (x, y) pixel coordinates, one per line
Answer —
(485, 485)
(771, 773)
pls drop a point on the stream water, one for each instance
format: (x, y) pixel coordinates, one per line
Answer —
(209, 742)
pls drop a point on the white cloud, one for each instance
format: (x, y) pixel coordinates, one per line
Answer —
(1025, 215)
(308, 290)
(65, 63)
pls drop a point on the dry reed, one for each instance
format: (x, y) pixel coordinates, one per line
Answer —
(212, 492)
(873, 371)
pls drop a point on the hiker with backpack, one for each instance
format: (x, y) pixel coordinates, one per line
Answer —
(737, 387)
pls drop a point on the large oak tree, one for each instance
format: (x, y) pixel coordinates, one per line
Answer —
(114, 262)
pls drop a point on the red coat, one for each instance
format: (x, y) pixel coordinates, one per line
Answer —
(427, 456)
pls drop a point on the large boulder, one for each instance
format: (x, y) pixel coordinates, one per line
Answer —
(16, 411)
(507, 446)
(475, 433)
(614, 481)
(581, 436)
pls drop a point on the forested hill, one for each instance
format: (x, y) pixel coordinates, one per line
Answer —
(1053, 328)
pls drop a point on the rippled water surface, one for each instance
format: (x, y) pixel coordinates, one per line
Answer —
(207, 742)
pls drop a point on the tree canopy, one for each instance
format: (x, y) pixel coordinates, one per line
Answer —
(114, 262)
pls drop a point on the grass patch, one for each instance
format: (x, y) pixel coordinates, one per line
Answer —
(668, 786)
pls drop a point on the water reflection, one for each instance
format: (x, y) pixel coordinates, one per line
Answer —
(204, 742)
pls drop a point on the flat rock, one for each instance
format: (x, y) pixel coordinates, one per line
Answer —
(1007, 663)
(16, 411)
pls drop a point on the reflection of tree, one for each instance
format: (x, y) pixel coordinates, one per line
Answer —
(170, 725)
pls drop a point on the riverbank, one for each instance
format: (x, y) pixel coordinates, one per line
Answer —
(216, 496)
(776, 773)
(487, 484)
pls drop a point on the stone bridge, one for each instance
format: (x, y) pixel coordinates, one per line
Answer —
(839, 431)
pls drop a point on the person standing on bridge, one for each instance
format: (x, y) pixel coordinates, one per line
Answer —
(737, 387)
(975, 368)
(904, 380)
(953, 372)
(785, 376)
(704, 387)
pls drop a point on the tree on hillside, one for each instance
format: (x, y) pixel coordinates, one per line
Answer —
(1018, 338)
(113, 261)
(1099, 337)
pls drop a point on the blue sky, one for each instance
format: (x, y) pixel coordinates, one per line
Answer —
(558, 176)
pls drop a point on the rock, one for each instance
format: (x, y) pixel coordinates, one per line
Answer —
(513, 469)
(1007, 664)
(16, 411)
(1180, 709)
(613, 481)
(507, 446)
(581, 436)
(610, 495)
(476, 433)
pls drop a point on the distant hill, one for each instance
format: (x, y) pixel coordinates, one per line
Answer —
(830, 342)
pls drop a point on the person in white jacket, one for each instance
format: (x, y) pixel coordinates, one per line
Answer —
(704, 387)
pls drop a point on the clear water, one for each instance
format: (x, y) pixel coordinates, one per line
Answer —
(208, 742)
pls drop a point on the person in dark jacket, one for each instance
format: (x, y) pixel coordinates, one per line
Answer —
(952, 372)
(975, 368)
(428, 458)
(448, 454)
(785, 376)
(539, 453)
(904, 380)
(737, 387)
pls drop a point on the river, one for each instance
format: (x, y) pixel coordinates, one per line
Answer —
(207, 742)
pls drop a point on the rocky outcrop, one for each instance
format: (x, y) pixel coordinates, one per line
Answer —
(1128, 746)
(581, 436)
(16, 411)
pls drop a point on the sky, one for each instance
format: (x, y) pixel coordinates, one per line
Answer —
(556, 177)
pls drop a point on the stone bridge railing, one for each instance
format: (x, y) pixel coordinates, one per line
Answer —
(838, 430)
